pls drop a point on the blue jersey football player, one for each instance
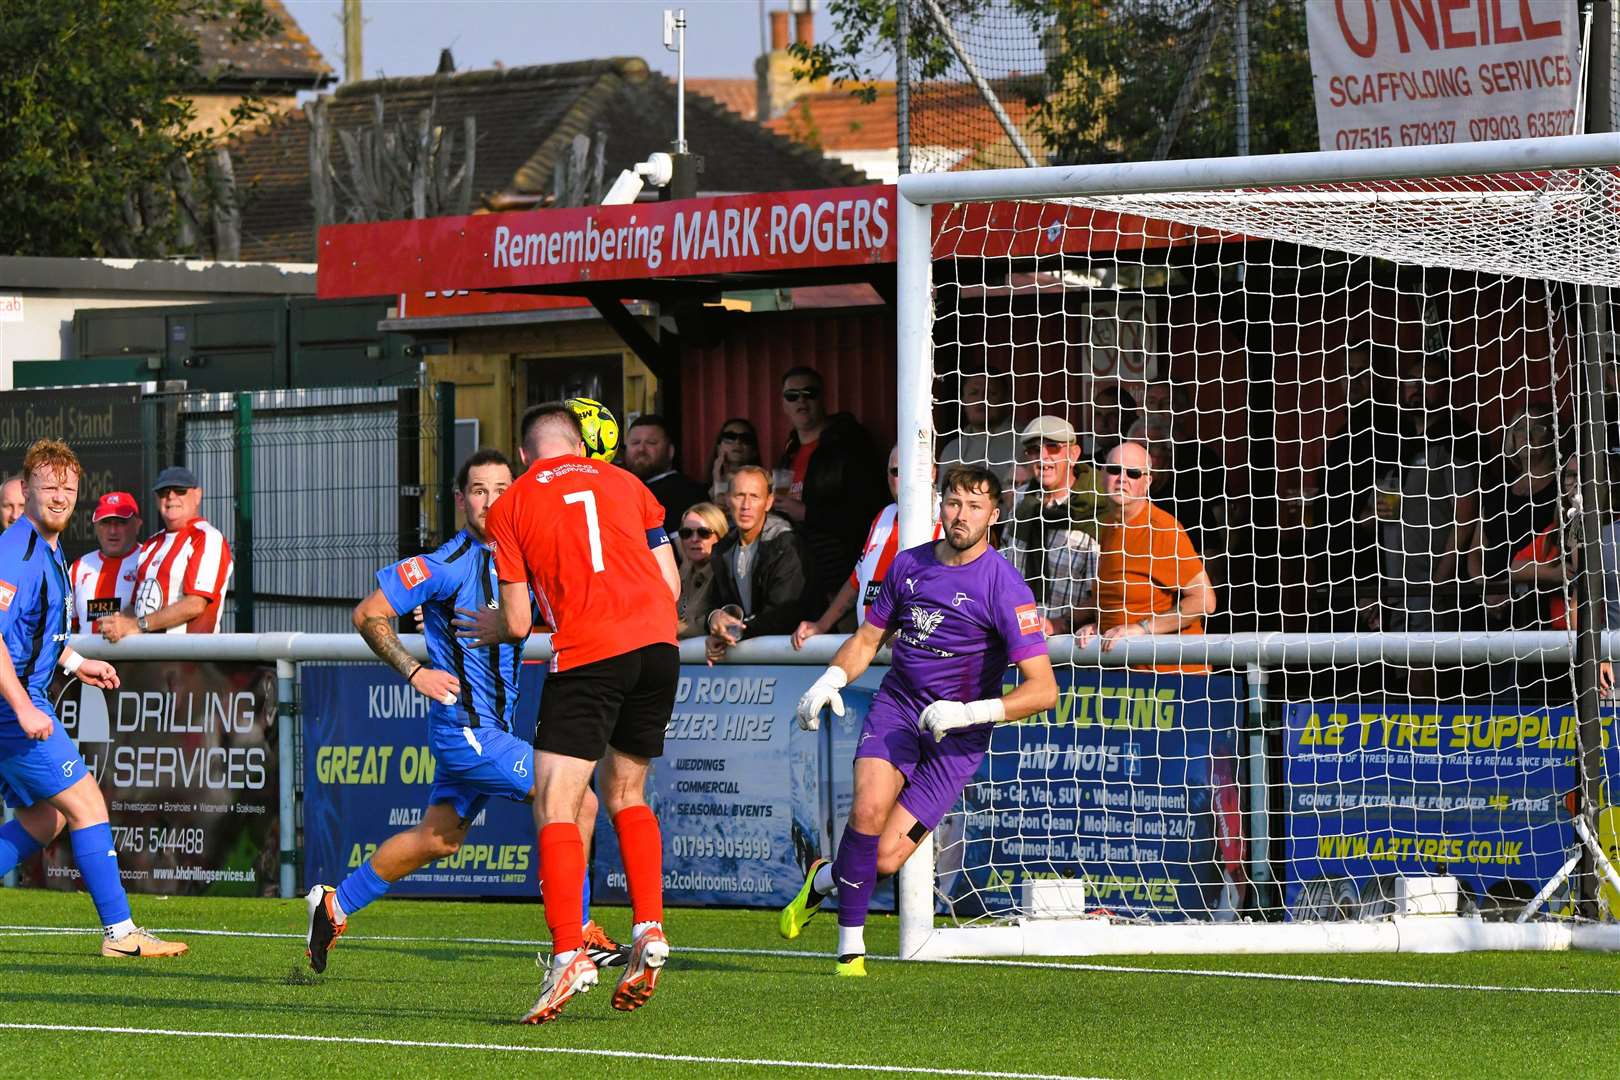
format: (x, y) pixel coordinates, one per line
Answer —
(42, 776)
(474, 693)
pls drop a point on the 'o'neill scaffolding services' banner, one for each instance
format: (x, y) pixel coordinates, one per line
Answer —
(1420, 72)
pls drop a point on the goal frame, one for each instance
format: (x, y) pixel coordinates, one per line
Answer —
(917, 196)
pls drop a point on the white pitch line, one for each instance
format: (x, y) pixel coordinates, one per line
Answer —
(803, 954)
(1282, 976)
(356, 1040)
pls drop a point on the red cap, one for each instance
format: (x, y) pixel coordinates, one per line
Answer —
(120, 504)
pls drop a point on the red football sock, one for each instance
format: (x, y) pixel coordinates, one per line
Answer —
(562, 883)
(642, 848)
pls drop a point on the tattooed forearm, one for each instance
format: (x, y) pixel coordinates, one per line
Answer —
(379, 634)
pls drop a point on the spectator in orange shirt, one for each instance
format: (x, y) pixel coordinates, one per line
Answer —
(1149, 577)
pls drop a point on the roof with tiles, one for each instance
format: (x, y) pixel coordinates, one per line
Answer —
(942, 114)
(288, 61)
(527, 118)
(740, 96)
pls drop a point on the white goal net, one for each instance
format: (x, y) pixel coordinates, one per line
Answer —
(1328, 450)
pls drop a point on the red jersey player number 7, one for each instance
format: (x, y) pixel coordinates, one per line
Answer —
(588, 539)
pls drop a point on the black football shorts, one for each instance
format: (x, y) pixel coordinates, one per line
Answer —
(624, 702)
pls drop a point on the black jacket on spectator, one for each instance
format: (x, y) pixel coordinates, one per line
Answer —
(780, 574)
(844, 488)
(677, 494)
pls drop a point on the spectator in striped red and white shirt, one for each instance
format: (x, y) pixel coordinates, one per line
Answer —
(860, 588)
(183, 571)
(103, 582)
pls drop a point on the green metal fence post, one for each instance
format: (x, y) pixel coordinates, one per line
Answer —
(244, 513)
(446, 394)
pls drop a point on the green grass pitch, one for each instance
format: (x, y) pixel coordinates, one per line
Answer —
(738, 996)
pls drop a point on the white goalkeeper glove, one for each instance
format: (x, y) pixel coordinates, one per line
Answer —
(943, 717)
(823, 692)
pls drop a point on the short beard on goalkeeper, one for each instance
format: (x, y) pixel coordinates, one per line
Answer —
(966, 517)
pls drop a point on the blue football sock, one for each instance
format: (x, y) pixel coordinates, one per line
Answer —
(855, 873)
(98, 864)
(586, 896)
(16, 844)
(360, 888)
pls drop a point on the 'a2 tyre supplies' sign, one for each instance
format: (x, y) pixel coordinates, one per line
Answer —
(1421, 72)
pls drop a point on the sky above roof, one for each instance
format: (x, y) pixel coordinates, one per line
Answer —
(403, 37)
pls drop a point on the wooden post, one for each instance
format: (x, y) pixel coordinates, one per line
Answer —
(353, 62)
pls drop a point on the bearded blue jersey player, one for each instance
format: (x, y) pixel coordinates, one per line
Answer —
(957, 613)
(474, 694)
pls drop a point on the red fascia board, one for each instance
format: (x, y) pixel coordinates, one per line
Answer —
(1025, 229)
(766, 232)
(773, 232)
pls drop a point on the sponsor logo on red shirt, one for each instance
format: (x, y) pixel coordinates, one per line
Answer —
(1029, 619)
(413, 572)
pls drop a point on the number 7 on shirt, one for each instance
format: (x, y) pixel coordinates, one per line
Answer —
(592, 529)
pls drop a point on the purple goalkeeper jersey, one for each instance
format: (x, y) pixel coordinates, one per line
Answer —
(956, 627)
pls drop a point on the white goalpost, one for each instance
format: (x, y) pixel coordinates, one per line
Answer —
(1377, 388)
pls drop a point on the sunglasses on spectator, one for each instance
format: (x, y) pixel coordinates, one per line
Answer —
(744, 437)
(702, 533)
(1122, 470)
(894, 470)
(809, 393)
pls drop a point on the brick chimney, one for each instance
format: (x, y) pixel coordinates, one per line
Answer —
(776, 88)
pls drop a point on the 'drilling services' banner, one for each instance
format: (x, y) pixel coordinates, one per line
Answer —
(185, 754)
(1419, 72)
(1419, 789)
(738, 792)
(1131, 784)
(368, 772)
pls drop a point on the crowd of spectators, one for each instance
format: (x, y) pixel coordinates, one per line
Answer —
(800, 547)
(174, 581)
(1124, 521)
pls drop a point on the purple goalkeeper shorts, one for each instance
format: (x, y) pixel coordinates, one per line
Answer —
(936, 772)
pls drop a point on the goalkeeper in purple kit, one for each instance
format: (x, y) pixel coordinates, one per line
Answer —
(958, 614)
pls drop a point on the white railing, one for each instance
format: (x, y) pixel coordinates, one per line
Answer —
(1226, 650)
(1252, 653)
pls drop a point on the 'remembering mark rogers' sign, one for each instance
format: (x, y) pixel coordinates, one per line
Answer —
(729, 234)
(1421, 72)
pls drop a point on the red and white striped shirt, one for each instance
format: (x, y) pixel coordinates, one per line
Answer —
(882, 544)
(101, 587)
(193, 560)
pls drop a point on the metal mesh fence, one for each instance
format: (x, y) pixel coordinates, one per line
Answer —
(313, 489)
